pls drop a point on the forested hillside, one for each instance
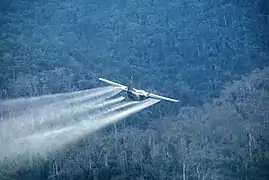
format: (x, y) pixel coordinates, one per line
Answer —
(225, 139)
(186, 49)
(205, 53)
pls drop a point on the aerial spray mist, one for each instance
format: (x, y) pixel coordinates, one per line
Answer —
(30, 121)
(50, 140)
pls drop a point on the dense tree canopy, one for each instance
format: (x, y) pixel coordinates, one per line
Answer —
(212, 55)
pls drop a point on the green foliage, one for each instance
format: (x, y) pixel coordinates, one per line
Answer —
(191, 48)
(188, 49)
(208, 142)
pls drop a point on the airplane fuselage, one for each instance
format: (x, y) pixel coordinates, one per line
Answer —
(136, 95)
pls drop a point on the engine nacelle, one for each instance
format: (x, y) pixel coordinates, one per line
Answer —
(135, 97)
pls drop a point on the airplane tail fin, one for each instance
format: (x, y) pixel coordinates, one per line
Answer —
(130, 85)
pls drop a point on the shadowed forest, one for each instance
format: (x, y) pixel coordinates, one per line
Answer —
(211, 55)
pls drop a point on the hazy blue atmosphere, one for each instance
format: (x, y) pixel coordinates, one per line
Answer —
(212, 55)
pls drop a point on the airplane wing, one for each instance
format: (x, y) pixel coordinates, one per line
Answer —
(124, 88)
(155, 96)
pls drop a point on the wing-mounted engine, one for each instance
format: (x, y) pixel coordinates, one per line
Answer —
(140, 92)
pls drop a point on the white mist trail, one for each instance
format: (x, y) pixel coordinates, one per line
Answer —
(79, 112)
(12, 108)
(43, 99)
(30, 121)
(53, 139)
(119, 106)
(80, 108)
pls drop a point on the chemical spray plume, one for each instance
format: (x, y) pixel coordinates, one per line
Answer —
(52, 97)
(31, 121)
(16, 107)
(73, 115)
(52, 140)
